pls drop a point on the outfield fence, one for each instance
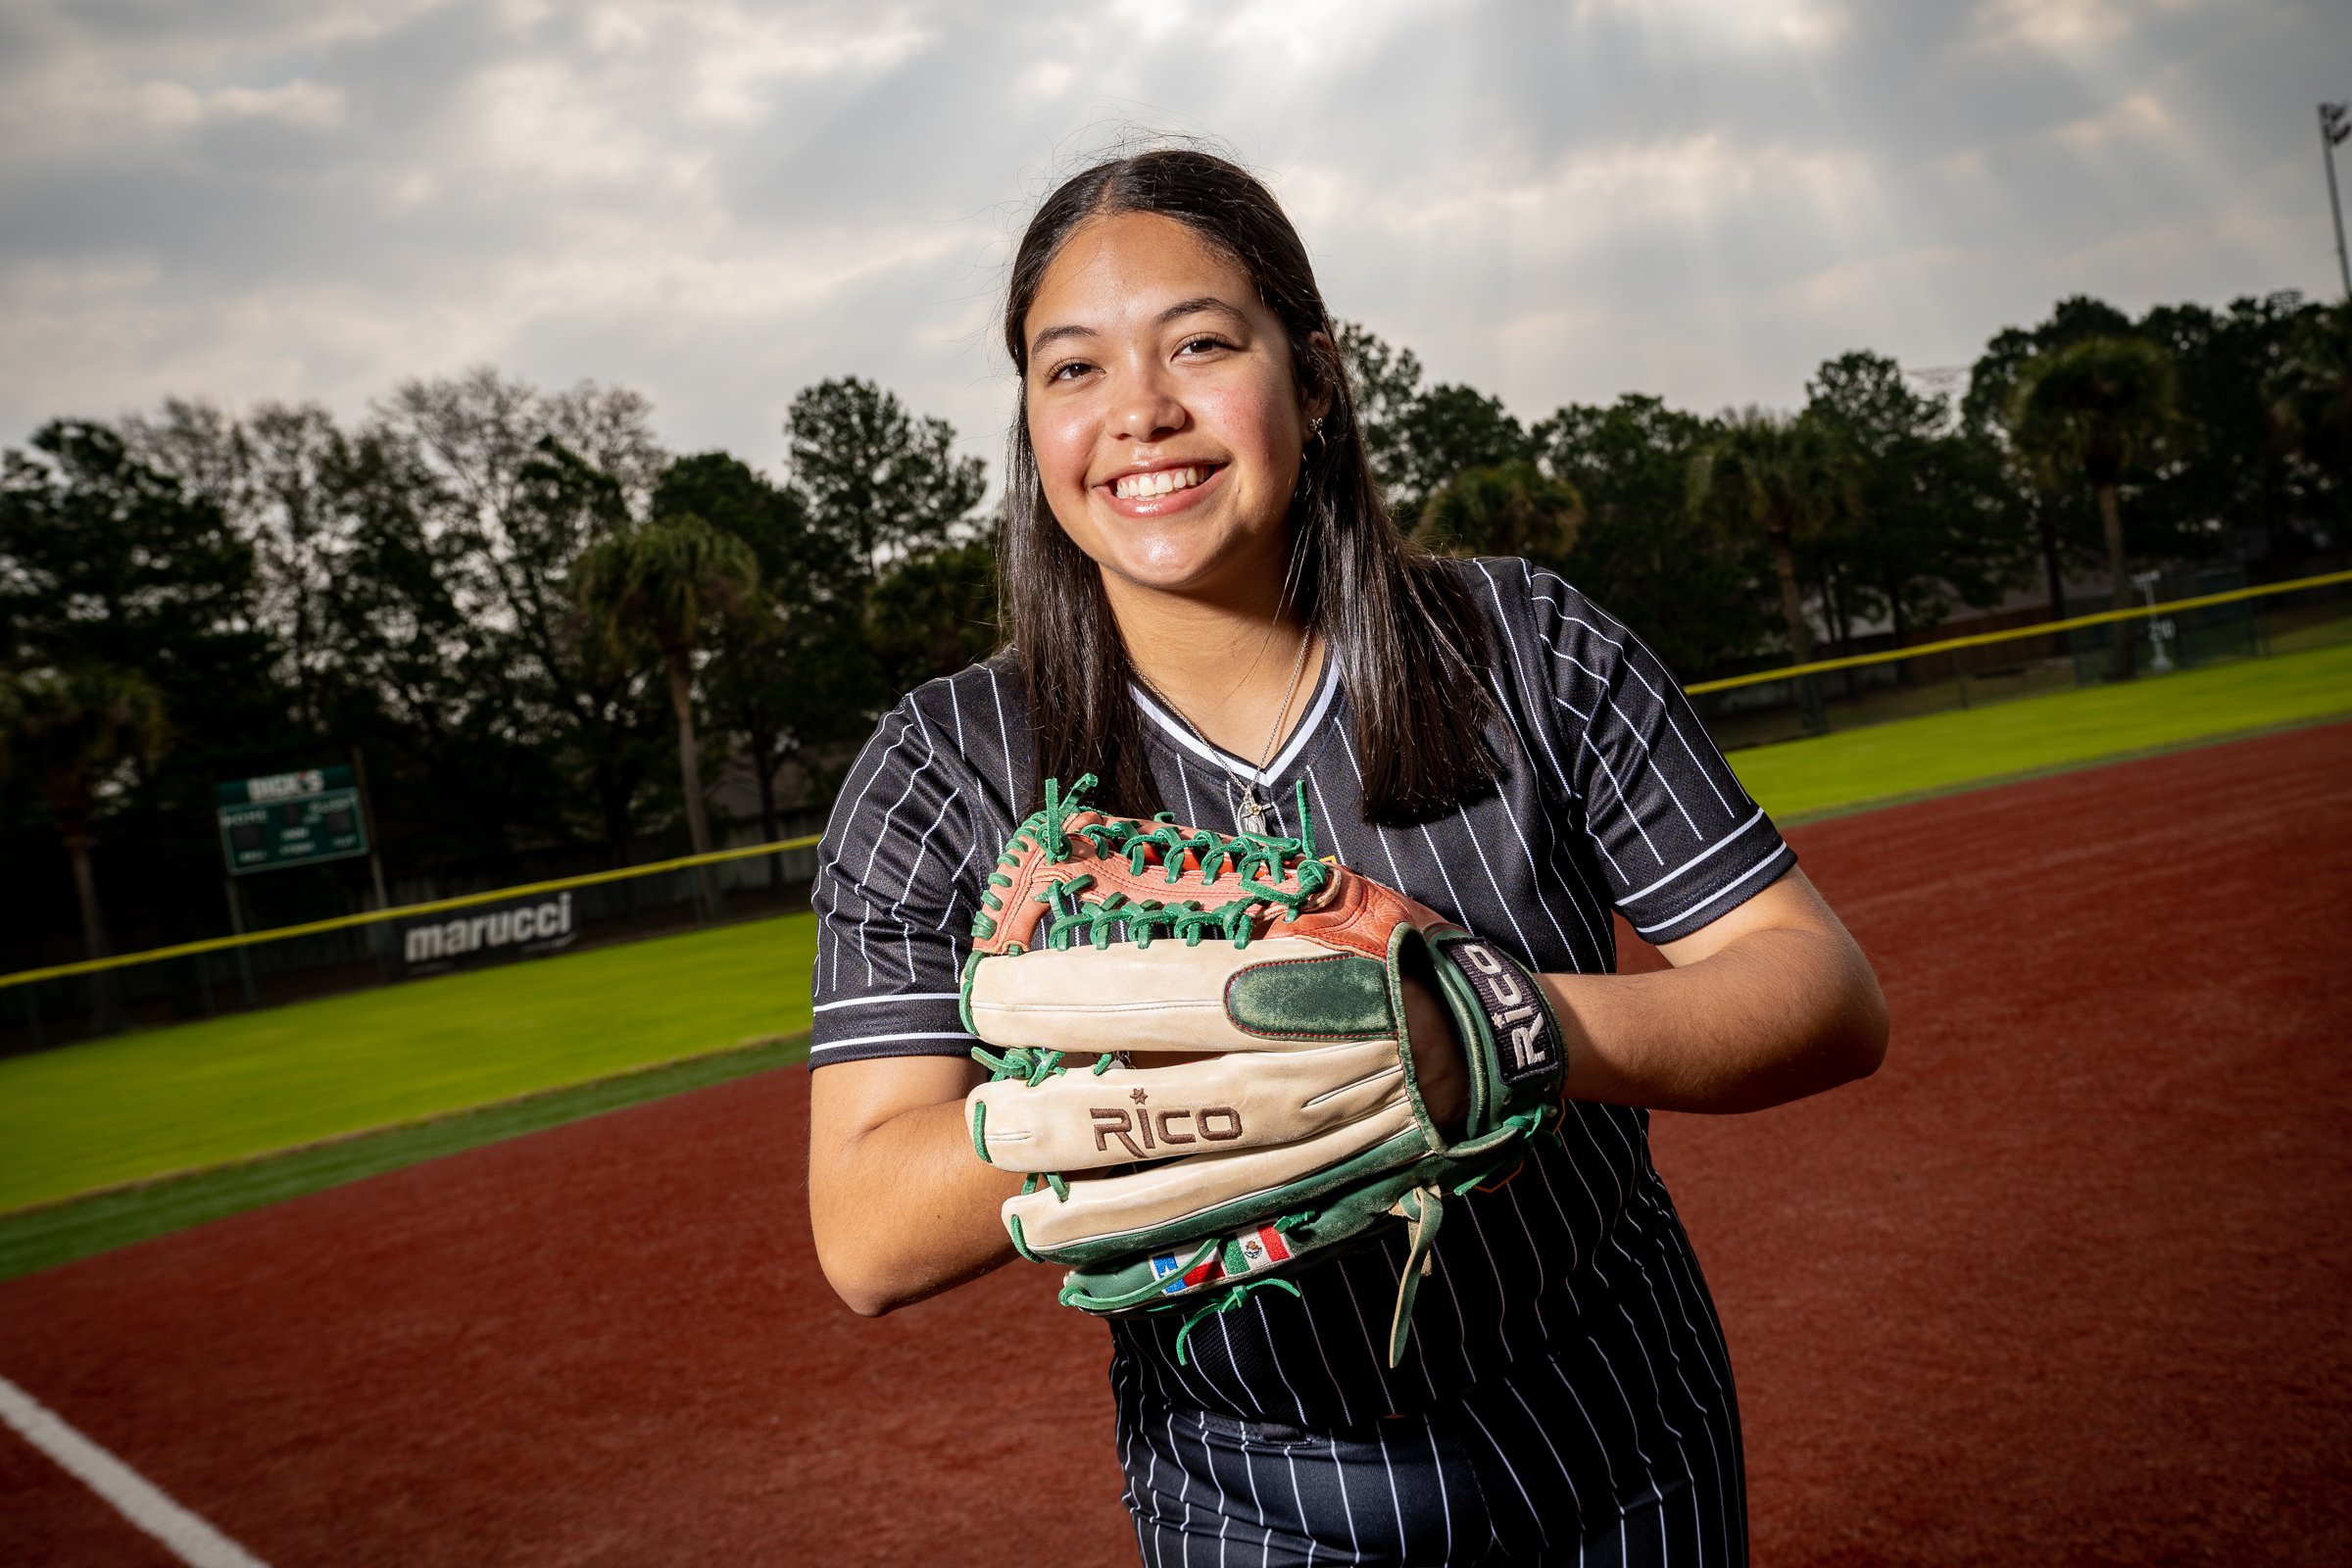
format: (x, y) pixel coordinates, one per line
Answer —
(188, 980)
(2196, 617)
(2220, 617)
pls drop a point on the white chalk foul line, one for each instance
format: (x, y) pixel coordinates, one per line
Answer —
(134, 1495)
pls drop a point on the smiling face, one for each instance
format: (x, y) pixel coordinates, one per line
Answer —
(1165, 413)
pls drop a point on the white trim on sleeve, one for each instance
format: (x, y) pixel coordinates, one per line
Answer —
(1761, 865)
(1644, 893)
(877, 1040)
(895, 995)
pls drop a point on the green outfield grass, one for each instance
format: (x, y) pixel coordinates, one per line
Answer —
(1830, 774)
(227, 1088)
(36, 1239)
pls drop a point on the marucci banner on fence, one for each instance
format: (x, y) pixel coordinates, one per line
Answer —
(485, 933)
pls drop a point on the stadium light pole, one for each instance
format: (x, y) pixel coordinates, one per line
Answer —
(2336, 123)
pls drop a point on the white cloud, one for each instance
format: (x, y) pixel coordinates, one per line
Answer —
(1803, 25)
(741, 57)
(305, 105)
(2062, 25)
(2139, 118)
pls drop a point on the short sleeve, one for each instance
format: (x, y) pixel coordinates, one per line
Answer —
(1678, 839)
(894, 899)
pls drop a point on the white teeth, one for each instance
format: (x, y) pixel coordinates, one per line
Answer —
(1145, 486)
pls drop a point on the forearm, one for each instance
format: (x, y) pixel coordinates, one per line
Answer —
(1773, 1016)
(903, 1210)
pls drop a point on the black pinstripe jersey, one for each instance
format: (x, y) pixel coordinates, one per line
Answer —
(1612, 798)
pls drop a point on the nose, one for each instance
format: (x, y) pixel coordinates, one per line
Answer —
(1148, 409)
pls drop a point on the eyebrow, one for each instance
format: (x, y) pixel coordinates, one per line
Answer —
(1174, 313)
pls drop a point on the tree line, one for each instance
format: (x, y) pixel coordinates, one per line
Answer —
(539, 628)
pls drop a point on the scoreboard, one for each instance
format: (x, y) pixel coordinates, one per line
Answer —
(283, 819)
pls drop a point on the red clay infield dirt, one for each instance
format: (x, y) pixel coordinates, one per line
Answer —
(2064, 1282)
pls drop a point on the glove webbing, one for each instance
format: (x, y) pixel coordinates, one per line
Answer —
(1260, 862)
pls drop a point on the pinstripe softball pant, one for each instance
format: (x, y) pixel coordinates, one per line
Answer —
(1557, 1462)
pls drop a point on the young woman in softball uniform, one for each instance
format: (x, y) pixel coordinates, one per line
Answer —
(1210, 607)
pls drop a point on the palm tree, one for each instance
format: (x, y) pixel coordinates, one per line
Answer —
(2092, 407)
(655, 591)
(72, 731)
(1515, 510)
(1778, 477)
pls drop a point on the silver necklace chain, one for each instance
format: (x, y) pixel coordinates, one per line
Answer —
(1249, 813)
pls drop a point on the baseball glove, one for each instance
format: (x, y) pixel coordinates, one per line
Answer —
(1243, 1100)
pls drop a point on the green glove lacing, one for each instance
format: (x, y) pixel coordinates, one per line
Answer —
(1225, 1300)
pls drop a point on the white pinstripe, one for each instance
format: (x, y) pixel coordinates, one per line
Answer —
(923, 852)
(832, 862)
(1502, 1293)
(1012, 785)
(1592, 937)
(1436, 1466)
(1338, 1476)
(1633, 668)
(1649, 1465)
(1184, 1495)
(1346, 1413)
(1608, 1464)
(955, 907)
(1566, 1474)
(1504, 1460)
(1502, 619)
(1631, 814)
(1632, 729)
(1632, 644)
(1260, 1302)
(1298, 1497)
(1510, 1190)
(1209, 1462)
(906, 728)
(1163, 1367)
(865, 878)
(1380, 1438)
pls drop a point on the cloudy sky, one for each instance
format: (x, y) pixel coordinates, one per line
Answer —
(718, 204)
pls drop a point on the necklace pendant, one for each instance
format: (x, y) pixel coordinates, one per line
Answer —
(1253, 812)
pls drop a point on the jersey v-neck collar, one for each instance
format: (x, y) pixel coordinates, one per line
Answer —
(1180, 735)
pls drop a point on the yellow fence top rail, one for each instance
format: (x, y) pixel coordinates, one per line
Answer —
(1822, 667)
(185, 949)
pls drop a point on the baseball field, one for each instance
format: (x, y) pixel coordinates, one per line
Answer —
(2060, 1284)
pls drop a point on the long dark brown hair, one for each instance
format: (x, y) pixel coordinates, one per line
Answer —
(1400, 627)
